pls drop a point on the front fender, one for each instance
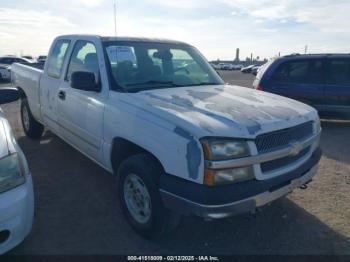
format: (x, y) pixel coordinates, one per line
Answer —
(178, 151)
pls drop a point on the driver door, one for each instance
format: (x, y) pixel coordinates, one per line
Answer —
(80, 112)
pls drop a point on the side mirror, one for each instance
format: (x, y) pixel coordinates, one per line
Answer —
(8, 95)
(84, 81)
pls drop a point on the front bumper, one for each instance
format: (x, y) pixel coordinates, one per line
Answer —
(219, 202)
(16, 215)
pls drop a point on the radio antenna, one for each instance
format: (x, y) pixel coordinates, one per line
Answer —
(115, 17)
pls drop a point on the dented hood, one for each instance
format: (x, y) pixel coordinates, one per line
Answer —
(224, 110)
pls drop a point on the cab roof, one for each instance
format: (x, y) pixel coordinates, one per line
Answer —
(128, 39)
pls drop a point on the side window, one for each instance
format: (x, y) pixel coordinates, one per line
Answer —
(300, 72)
(339, 72)
(7, 61)
(84, 58)
(297, 72)
(56, 60)
(315, 73)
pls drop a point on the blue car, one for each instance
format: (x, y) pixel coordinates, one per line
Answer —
(320, 80)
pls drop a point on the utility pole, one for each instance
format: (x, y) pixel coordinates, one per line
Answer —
(306, 49)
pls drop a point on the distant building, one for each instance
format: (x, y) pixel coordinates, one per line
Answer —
(237, 55)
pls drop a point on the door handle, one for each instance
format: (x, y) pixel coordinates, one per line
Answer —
(62, 95)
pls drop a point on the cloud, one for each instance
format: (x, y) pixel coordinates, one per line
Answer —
(90, 3)
(323, 15)
(181, 4)
(216, 27)
(333, 17)
(30, 30)
(78, 3)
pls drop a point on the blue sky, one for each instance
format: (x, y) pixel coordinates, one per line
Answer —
(216, 27)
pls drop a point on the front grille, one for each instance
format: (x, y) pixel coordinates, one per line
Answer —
(282, 138)
(283, 162)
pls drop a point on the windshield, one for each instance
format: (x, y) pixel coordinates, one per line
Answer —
(137, 66)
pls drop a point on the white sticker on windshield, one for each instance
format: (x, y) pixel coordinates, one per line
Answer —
(121, 53)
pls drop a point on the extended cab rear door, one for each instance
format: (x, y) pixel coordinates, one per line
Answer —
(337, 88)
(51, 81)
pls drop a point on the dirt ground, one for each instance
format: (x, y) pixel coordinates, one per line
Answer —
(76, 209)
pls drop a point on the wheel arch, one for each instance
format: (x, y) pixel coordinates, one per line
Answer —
(22, 94)
(123, 148)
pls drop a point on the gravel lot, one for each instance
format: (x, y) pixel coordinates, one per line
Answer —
(77, 212)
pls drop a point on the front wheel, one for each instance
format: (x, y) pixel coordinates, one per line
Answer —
(31, 127)
(139, 196)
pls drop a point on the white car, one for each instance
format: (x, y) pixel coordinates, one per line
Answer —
(9, 60)
(215, 66)
(226, 66)
(5, 72)
(41, 59)
(157, 115)
(16, 189)
(238, 66)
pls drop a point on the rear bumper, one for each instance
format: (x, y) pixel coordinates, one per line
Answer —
(16, 215)
(219, 202)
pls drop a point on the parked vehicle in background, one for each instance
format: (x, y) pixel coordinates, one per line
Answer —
(5, 72)
(238, 67)
(228, 67)
(157, 115)
(41, 59)
(220, 66)
(16, 189)
(320, 80)
(215, 66)
(9, 60)
(29, 57)
(255, 70)
(247, 69)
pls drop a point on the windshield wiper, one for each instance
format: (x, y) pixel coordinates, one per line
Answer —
(205, 84)
(154, 82)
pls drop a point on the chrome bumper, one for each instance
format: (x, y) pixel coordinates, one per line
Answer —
(241, 206)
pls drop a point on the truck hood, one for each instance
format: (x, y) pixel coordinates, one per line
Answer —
(223, 110)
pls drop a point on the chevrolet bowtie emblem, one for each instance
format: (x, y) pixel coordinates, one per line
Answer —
(295, 148)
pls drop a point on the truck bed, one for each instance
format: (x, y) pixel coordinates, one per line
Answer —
(27, 78)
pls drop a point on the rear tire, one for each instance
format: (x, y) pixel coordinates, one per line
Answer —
(138, 186)
(31, 127)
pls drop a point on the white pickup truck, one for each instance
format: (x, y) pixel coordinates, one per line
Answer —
(180, 141)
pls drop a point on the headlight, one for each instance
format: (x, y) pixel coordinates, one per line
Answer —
(223, 149)
(316, 126)
(11, 172)
(228, 176)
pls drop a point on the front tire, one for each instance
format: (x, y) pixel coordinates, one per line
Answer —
(31, 127)
(138, 185)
